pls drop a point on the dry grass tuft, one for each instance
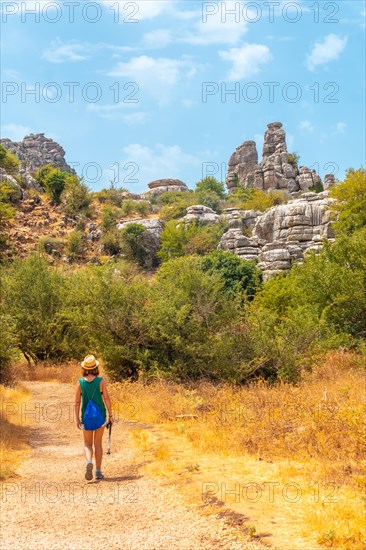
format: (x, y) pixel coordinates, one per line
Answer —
(312, 434)
(13, 431)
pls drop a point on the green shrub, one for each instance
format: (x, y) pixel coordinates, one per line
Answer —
(113, 195)
(133, 243)
(350, 208)
(111, 242)
(109, 218)
(294, 159)
(9, 162)
(239, 276)
(262, 200)
(76, 245)
(52, 180)
(210, 185)
(185, 239)
(76, 196)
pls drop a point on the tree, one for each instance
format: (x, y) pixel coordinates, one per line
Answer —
(210, 185)
(350, 208)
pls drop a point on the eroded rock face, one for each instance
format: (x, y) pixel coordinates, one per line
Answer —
(283, 234)
(275, 170)
(200, 213)
(36, 150)
(159, 187)
(243, 165)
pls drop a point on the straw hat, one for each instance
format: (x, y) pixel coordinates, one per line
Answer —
(89, 362)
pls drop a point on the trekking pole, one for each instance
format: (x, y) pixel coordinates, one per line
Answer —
(109, 426)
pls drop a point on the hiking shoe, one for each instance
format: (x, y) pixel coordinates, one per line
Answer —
(89, 472)
(99, 475)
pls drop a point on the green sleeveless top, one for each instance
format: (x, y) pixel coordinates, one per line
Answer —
(91, 390)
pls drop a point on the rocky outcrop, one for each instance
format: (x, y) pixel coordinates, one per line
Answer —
(283, 234)
(200, 213)
(243, 165)
(36, 150)
(329, 181)
(237, 219)
(159, 187)
(277, 169)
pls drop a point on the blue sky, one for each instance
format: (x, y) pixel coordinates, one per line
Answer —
(136, 91)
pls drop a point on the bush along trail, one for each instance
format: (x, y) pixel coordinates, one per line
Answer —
(50, 505)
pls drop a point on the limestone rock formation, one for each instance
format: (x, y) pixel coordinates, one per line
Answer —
(36, 150)
(329, 181)
(159, 187)
(283, 234)
(154, 225)
(200, 213)
(236, 219)
(243, 165)
(276, 170)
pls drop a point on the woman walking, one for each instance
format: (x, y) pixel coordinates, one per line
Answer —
(92, 387)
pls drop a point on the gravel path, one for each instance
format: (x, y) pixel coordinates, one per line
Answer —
(51, 506)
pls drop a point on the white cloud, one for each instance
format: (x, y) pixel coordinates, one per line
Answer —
(15, 132)
(324, 52)
(156, 76)
(158, 162)
(60, 52)
(341, 127)
(246, 61)
(137, 10)
(306, 126)
(219, 27)
(159, 38)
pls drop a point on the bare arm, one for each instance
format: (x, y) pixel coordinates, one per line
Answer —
(107, 399)
(77, 406)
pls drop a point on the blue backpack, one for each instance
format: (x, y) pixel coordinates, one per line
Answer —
(93, 417)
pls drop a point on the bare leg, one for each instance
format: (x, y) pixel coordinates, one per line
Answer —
(88, 444)
(98, 436)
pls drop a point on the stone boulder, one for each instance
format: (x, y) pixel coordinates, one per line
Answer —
(200, 213)
(159, 187)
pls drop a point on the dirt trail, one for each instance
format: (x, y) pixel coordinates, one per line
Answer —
(50, 505)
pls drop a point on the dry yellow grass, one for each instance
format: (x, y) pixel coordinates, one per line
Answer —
(302, 447)
(13, 429)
